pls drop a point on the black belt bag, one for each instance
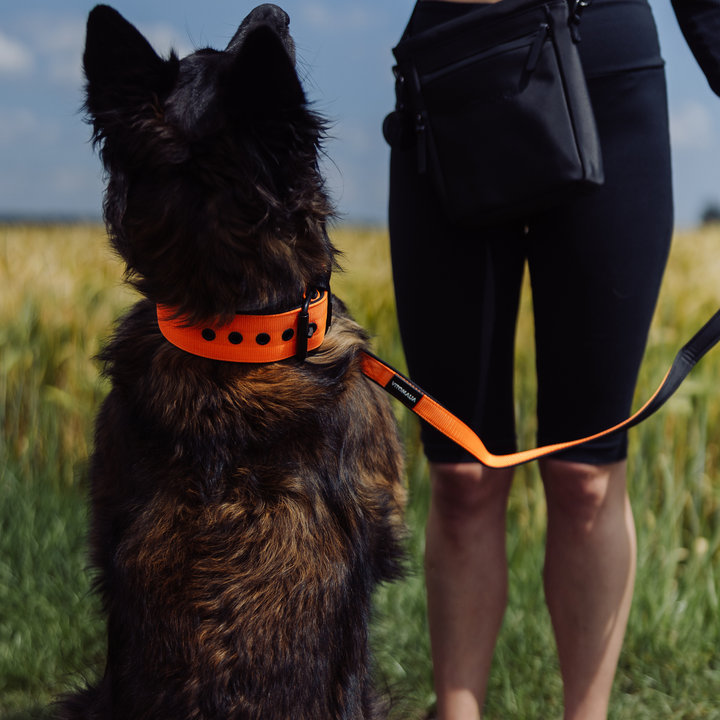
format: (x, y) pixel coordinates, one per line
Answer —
(497, 105)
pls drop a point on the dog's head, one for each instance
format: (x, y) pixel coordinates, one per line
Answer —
(214, 196)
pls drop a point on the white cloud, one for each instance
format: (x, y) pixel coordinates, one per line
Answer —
(691, 127)
(163, 38)
(15, 58)
(327, 16)
(64, 51)
(57, 34)
(58, 43)
(21, 125)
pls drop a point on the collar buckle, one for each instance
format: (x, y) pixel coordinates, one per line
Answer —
(303, 325)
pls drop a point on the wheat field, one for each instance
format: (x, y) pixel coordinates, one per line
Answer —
(61, 290)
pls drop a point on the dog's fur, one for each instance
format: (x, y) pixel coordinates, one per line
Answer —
(241, 514)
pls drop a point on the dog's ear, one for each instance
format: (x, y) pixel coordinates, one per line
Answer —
(262, 75)
(121, 67)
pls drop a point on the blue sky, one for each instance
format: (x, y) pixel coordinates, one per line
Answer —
(47, 165)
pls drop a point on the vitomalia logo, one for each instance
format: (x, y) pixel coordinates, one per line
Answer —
(403, 391)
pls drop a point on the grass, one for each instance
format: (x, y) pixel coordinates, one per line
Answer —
(59, 293)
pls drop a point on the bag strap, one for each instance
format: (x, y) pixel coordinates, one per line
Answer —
(407, 76)
(443, 420)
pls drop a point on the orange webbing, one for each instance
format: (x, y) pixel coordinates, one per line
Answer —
(250, 328)
(443, 420)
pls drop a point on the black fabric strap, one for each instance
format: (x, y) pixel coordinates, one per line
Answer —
(704, 340)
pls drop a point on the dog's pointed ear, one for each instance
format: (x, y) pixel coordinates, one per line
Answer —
(120, 65)
(262, 74)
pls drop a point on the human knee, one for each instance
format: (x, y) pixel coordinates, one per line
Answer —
(466, 490)
(578, 493)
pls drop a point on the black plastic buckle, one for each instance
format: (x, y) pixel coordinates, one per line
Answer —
(303, 325)
(325, 288)
(399, 88)
(575, 16)
(577, 8)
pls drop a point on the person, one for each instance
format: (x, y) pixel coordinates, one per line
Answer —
(595, 265)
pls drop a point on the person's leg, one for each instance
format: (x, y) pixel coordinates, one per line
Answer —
(457, 298)
(466, 580)
(457, 294)
(596, 267)
(589, 576)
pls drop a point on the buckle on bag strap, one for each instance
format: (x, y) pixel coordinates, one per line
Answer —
(576, 10)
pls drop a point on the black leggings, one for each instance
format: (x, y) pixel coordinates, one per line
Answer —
(595, 267)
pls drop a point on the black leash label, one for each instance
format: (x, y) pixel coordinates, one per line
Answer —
(399, 388)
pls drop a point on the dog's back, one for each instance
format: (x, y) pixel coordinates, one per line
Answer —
(241, 513)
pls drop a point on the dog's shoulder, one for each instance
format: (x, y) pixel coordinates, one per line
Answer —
(179, 394)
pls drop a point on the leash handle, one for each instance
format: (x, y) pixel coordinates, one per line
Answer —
(430, 410)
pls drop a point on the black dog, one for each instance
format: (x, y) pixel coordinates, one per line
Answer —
(242, 512)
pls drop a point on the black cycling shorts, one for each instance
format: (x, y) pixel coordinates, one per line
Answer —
(595, 265)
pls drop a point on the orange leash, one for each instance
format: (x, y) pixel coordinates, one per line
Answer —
(269, 338)
(443, 420)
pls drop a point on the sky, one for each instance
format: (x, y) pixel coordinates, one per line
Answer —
(48, 168)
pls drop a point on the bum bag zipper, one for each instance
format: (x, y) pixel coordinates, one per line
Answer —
(535, 39)
(535, 49)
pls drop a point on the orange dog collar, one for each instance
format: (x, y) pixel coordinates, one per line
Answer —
(254, 338)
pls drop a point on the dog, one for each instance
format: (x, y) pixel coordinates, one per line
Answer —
(241, 511)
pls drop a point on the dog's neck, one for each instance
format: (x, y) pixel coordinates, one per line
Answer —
(254, 338)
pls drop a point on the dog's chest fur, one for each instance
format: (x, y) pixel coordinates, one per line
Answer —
(241, 517)
(241, 514)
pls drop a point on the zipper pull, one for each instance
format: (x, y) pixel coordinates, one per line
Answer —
(537, 47)
(420, 132)
(574, 19)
